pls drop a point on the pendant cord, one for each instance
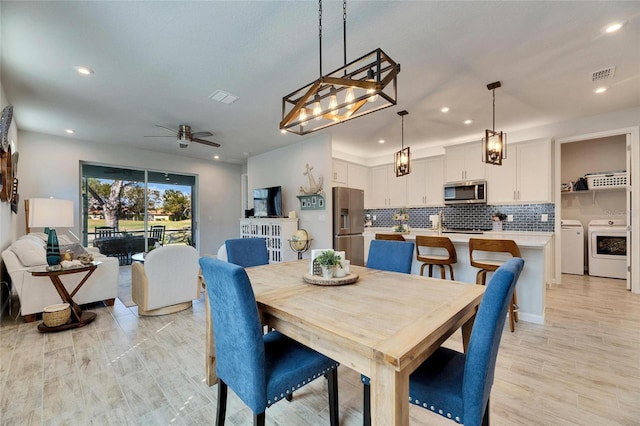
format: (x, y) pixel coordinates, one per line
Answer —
(344, 31)
(320, 33)
(494, 110)
(402, 132)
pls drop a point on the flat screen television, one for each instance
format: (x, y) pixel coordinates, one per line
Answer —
(267, 202)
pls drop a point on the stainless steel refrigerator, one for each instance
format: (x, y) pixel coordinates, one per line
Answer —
(348, 223)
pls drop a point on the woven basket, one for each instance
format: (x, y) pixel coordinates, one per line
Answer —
(56, 315)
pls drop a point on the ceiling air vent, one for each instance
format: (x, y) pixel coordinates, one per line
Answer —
(603, 74)
(224, 97)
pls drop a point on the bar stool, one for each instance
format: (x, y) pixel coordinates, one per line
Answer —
(431, 259)
(392, 237)
(489, 265)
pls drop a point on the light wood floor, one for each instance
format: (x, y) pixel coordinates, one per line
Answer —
(581, 368)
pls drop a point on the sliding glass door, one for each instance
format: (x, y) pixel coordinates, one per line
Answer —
(127, 204)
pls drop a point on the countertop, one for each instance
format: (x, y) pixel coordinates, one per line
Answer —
(522, 238)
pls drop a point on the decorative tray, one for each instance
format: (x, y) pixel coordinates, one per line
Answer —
(319, 280)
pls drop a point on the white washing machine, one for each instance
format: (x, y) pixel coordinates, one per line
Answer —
(572, 246)
(608, 248)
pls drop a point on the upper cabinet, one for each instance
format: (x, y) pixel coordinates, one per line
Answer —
(524, 177)
(425, 182)
(385, 189)
(357, 176)
(339, 176)
(348, 174)
(464, 162)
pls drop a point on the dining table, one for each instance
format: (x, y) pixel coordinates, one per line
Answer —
(384, 325)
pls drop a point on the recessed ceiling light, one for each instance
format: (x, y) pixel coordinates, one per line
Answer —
(216, 157)
(84, 70)
(70, 131)
(468, 121)
(613, 27)
(444, 109)
(600, 90)
(381, 141)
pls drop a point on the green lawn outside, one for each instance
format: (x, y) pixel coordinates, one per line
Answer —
(138, 225)
(178, 232)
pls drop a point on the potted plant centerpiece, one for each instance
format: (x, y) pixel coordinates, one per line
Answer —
(328, 260)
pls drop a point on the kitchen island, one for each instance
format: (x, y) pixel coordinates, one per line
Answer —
(536, 250)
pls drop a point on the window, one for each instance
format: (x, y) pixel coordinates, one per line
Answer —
(132, 201)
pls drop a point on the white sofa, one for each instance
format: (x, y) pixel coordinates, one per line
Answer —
(35, 293)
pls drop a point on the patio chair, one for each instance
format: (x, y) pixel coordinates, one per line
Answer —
(105, 232)
(157, 232)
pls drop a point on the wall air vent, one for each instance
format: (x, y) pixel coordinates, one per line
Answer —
(603, 74)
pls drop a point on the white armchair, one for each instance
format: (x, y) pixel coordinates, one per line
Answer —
(167, 282)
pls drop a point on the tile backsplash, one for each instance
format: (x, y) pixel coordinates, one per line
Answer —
(526, 217)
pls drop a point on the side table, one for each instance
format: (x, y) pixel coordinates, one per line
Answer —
(139, 257)
(79, 318)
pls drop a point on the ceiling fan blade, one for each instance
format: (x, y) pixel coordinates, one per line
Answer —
(204, 142)
(166, 128)
(163, 136)
(201, 134)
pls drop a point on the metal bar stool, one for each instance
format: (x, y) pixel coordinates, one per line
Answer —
(392, 237)
(434, 257)
(489, 264)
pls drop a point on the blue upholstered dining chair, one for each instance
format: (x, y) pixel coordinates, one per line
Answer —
(261, 369)
(247, 252)
(388, 255)
(457, 385)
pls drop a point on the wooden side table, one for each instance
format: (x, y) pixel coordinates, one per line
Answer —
(79, 318)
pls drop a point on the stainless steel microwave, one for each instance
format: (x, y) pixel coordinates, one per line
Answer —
(465, 192)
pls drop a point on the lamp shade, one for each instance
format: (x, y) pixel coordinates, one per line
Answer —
(51, 213)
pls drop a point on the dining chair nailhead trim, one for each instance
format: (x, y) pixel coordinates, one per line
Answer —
(432, 408)
(304, 382)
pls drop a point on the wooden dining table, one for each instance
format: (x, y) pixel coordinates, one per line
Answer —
(383, 326)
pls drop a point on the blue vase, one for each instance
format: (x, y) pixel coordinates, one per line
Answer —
(53, 249)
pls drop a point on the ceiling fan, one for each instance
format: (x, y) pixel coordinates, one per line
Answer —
(184, 136)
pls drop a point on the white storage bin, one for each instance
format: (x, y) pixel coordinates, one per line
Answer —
(606, 180)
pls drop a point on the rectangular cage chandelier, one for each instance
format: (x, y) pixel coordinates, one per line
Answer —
(363, 86)
(360, 87)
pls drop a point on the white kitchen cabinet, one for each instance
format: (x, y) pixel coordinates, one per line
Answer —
(340, 173)
(523, 177)
(464, 162)
(385, 189)
(417, 183)
(435, 181)
(348, 174)
(357, 176)
(425, 182)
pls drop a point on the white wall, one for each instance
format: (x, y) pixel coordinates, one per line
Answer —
(50, 167)
(8, 220)
(285, 167)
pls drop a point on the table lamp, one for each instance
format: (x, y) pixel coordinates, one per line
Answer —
(49, 213)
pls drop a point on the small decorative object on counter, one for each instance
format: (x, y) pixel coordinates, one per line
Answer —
(402, 216)
(496, 221)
